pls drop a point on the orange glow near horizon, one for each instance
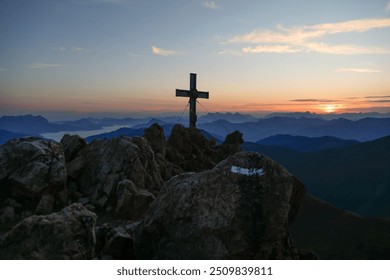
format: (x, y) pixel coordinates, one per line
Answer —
(126, 103)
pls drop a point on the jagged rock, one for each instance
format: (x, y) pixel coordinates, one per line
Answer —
(68, 234)
(189, 149)
(75, 167)
(167, 169)
(113, 243)
(45, 205)
(7, 215)
(232, 142)
(72, 145)
(241, 209)
(112, 161)
(30, 169)
(156, 138)
(132, 201)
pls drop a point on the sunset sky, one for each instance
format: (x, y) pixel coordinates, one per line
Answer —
(71, 58)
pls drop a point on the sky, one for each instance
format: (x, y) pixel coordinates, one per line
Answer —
(71, 58)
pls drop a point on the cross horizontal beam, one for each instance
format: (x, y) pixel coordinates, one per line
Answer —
(193, 94)
(187, 93)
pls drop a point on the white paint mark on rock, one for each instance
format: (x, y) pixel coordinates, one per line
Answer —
(246, 171)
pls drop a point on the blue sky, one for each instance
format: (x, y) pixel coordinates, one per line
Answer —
(66, 58)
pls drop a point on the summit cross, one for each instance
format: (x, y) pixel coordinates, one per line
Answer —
(193, 94)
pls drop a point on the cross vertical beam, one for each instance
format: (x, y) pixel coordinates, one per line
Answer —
(193, 94)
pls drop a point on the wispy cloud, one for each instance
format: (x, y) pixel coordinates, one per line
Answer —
(381, 100)
(230, 52)
(378, 96)
(102, 1)
(314, 100)
(163, 52)
(43, 65)
(271, 49)
(73, 49)
(210, 4)
(305, 38)
(358, 70)
(60, 49)
(77, 49)
(388, 6)
(133, 54)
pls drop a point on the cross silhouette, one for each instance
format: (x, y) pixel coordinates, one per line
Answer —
(193, 94)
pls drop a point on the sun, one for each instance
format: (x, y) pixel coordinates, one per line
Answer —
(331, 108)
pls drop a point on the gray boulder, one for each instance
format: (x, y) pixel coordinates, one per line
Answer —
(132, 201)
(68, 234)
(156, 138)
(189, 149)
(241, 209)
(31, 168)
(109, 162)
(72, 144)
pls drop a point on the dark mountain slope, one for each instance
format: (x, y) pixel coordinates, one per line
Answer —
(355, 178)
(332, 233)
(6, 135)
(124, 131)
(306, 144)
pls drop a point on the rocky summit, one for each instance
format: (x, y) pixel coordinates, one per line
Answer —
(240, 209)
(144, 197)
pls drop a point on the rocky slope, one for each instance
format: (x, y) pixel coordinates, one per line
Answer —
(239, 208)
(333, 233)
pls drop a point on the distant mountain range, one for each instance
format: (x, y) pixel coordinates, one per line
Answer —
(355, 178)
(230, 117)
(360, 130)
(28, 124)
(125, 131)
(6, 135)
(221, 124)
(306, 144)
(139, 131)
(331, 116)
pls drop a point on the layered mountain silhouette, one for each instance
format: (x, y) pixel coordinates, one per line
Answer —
(360, 130)
(354, 178)
(6, 135)
(363, 129)
(306, 144)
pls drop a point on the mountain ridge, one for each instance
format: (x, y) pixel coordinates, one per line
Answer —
(354, 178)
(306, 144)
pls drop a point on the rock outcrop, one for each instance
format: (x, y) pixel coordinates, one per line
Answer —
(114, 243)
(240, 209)
(110, 172)
(72, 146)
(193, 152)
(32, 177)
(156, 138)
(189, 149)
(68, 234)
